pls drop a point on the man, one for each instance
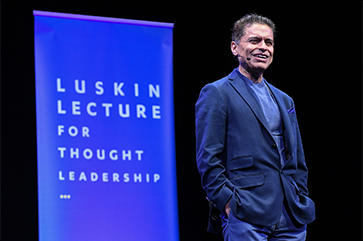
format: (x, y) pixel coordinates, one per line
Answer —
(249, 150)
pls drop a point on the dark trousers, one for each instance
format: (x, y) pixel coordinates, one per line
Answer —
(235, 229)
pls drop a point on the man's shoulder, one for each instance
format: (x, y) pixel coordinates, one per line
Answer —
(215, 90)
(278, 91)
(220, 83)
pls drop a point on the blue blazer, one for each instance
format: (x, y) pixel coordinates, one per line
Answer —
(237, 157)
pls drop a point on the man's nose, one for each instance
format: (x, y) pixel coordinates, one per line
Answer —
(262, 46)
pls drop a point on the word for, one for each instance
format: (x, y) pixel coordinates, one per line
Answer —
(73, 131)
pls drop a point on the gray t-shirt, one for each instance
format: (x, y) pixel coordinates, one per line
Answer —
(271, 112)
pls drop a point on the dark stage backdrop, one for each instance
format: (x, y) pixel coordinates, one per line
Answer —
(317, 62)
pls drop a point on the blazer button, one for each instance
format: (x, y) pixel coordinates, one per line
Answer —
(274, 146)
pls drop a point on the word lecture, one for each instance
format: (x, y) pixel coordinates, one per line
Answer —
(124, 110)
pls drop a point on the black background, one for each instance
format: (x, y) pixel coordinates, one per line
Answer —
(317, 62)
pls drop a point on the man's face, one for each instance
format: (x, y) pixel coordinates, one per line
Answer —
(257, 44)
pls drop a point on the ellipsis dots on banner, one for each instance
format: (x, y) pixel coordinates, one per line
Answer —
(65, 196)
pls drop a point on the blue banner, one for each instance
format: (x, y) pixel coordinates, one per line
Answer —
(105, 129)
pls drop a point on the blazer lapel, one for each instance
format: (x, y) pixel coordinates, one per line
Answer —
(248, 95)
(283, 107)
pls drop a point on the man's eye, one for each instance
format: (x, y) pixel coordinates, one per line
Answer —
(254, 41)
(269, 43)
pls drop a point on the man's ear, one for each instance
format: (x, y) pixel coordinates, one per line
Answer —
(234, 48)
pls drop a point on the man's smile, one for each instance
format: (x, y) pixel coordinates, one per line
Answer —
(261, 56)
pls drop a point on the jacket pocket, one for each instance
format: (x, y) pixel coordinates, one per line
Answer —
(296, 187)
(246, 181)
(241, 163)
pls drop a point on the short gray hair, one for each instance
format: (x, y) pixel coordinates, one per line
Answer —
(240, 25)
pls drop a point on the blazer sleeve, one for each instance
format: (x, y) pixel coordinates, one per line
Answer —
(301, 175)
(211, 118)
